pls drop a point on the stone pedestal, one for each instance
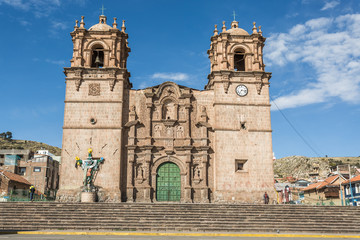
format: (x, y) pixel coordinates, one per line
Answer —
(88, 197)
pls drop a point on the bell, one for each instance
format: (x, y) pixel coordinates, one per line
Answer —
(97, 60)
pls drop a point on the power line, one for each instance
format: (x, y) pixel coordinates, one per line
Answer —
(293, 127)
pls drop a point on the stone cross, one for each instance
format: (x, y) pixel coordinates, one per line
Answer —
(102, 9)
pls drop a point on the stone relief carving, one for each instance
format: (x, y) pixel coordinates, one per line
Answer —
(226, 83)
(182, 113)
(180, 132)
(140, 173)
(197, 173)
(259, 84)
(94, 89)
(156, 113)
(157, 130)
(169, 132)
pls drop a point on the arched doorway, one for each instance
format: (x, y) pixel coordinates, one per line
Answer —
(168, 182)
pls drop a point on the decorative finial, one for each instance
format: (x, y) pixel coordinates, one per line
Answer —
(260, 32)
(254, 28)
(76, 24)
(102, 10)
(82, 23)
(115, 24)
(216, 31)
(234, 15)
(123, 28)
(223, 27)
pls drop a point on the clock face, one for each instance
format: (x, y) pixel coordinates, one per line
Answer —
(241, 90)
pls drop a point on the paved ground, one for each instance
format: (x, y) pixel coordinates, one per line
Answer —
(170, 236)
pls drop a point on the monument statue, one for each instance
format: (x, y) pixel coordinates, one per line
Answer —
(90, 167)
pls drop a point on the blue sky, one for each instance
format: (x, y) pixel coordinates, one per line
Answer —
(312, 50)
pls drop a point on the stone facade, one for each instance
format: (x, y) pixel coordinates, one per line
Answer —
(219, 138)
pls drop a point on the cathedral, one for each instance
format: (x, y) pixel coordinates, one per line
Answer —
(168, 143)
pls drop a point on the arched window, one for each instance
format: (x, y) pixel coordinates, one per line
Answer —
(97, 57)
(239, 60)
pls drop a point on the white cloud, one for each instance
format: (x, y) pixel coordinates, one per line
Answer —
(40, 8)
(171, 76)
(331, 48)
(330, 5)
(16, 4)
(56, 62)
(59, 25)
(24, 23)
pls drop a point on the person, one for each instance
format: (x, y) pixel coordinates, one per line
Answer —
(32, 192)
(266, 198)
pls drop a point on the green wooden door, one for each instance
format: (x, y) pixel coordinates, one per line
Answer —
(168, 183)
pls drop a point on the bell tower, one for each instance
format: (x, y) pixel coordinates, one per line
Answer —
(242, 131)
(97, 85)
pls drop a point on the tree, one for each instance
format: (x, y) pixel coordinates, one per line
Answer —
(8, 135)
(2, 135)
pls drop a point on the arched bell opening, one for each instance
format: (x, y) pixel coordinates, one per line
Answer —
(97, 57)
(239, 60)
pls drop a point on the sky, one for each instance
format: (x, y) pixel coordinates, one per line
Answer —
(312, 49)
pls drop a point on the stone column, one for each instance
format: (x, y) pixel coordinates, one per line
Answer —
(130, 175)
(187, 188)
(147, 187)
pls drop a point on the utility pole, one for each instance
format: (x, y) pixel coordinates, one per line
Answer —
(352, 196)
(341, 193)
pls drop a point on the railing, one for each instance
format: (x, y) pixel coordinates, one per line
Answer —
(21, 195)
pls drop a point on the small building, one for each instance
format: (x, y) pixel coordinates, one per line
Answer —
(9, 158)
(43, 172)
(352, 194)
(325, 192)
(40, 169)
(10, 182)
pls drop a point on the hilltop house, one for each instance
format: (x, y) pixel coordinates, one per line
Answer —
(324, 192)
(352, 194)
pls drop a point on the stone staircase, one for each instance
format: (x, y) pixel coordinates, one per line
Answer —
(15, 216)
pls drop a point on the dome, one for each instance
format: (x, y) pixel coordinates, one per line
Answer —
(237, 31)
(101, 26)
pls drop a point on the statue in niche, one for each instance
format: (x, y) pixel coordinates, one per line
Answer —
(133, 109)
(140, 172)
(182, 113)
(203, 110)
(169, 132)
(197, 173)
(157, 130)
(180, 132)
(169, 110)
(156, 113)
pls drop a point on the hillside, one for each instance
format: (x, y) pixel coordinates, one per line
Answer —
(303, 167)
(25, 144)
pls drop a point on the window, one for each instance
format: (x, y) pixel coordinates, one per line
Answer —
(239, 60)
(239, 165)
(97, 57)
(22, 171)
(37, 169)
(357, 188)
(347, 190)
